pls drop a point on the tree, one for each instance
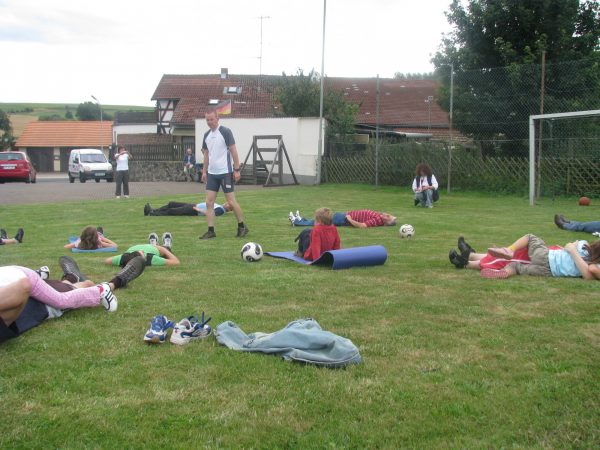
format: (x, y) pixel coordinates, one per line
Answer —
(88, 111)
(299, 96)
(415, 76)
(496, 46)
(6, 129)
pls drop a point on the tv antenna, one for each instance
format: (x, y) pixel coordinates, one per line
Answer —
(260, 58)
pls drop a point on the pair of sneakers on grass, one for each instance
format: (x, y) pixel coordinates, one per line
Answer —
(18, 239)
(185, 331)
(167, 239)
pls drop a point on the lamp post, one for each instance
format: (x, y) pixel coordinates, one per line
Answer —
(101, 123)
(321, 134)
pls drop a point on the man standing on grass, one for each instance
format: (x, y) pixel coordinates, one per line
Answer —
(221, 171)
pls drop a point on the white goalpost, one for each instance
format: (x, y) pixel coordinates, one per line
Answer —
(532, 119)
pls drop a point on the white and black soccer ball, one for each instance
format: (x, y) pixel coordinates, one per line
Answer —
(252, 252)
(407, 231)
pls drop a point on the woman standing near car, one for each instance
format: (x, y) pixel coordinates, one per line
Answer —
(122, 158)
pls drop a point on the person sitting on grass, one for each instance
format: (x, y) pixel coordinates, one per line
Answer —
(572, 225)
(425, 186)
(18, 239)
(154, 254)
(91, 238)
(185, 209)
(322, 238)
(577, 259)
(361, 218)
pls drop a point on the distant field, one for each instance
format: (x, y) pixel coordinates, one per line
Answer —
(20, 114)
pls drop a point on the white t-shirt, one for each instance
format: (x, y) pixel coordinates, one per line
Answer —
(217, 144)
(122, 161)
(10, 274)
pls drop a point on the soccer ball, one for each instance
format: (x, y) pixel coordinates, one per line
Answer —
(252, 252)
(407, 231)
(584, 201)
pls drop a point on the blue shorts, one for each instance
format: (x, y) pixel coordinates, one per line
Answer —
(223, 181)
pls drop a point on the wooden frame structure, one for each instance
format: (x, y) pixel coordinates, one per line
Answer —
(272, 168)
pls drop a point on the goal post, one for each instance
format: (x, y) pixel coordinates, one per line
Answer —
(532, 119)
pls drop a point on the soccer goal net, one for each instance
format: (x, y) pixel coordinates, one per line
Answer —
(574, 135)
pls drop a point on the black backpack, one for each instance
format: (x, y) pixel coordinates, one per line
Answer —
(303, 240)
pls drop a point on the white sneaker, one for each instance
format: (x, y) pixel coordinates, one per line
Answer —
(298, 216)
(190, 329)
(167, 239)
(107, 298)
(153, 238)
(43, 272)
(126, 196)
(291, 217)
(117, 196)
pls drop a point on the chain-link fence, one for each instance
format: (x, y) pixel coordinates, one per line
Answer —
(485, 146)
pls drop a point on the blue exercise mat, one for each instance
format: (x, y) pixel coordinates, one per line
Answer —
(73, 239)
(373, 255)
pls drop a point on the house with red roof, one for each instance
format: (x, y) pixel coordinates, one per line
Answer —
(49, 143)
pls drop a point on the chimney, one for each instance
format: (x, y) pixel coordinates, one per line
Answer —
(224, 73)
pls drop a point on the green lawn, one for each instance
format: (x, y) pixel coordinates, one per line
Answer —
(450, 360)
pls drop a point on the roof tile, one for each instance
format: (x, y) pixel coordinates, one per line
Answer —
(66, 133)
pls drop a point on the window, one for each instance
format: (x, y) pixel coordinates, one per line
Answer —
(213, 101)
(11, 157)
(232, 90)
(93, 158)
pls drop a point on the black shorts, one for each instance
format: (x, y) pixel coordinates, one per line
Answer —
(7, 331)
(223, 181)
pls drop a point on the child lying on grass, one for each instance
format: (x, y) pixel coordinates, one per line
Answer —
(91, 238)
(322, 238)
(576, 259)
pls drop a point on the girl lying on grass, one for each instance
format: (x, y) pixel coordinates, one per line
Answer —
(576, 259)
(91, 238)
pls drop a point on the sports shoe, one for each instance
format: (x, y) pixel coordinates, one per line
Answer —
(43, 272)
(501, 252)
(133, 269)
(167, 239)
(107, 298)
(3, 234)
(597, 234)
(291, 217)
(458, 260)
(147, 209)
(19, 235)
(159, 327)
(70, 270)
(117, 196)
(208, 235)
(494, 273)
(560, 220)
(126, 196)
(464, 248)
(298, 216)
(241, 232)
(190, 329)
(153, 238)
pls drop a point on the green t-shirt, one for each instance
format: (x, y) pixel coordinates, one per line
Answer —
(148, 249)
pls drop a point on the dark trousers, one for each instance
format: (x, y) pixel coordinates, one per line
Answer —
(175, 209)
(122, 178)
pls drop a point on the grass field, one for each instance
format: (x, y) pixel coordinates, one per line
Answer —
(21, 119)
(450, 360)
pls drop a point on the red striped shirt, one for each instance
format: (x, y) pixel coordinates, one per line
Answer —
(368, 217)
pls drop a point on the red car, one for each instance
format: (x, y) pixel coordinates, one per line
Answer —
(15, 166)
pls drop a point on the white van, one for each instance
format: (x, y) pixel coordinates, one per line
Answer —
(89, 164)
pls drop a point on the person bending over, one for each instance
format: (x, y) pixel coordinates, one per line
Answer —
(91, 238)
(18, 239)
(425, 186)
(185, 209)
(577, 259)
(189, 163)
(361, 218)
(572, 225)
(322, 238)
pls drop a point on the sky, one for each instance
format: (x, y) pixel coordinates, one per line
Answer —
(64, 51)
